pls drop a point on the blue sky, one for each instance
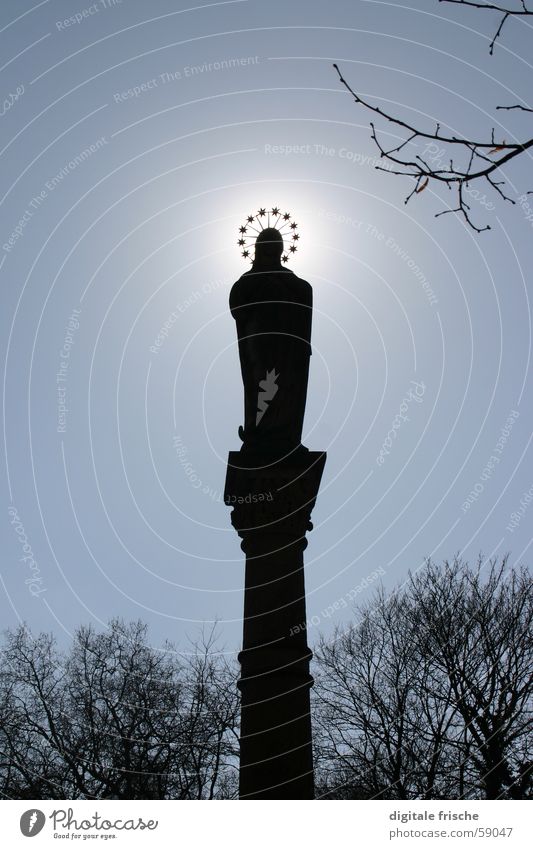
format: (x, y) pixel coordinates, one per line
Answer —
(135, 140)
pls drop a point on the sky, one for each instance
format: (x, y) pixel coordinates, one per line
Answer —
(136, 139)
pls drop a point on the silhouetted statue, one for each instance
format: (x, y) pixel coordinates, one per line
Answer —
(273, 310)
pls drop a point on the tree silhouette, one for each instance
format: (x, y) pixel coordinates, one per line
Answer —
(116, 719)
(429, 695)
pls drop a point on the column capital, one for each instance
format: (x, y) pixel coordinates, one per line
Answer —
(273, 500)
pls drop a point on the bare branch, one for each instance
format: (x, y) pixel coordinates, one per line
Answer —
(478, 159)
(516, 106)
(494, 7)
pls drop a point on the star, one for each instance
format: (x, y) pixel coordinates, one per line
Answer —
(250, 219)
(242, 229)
(262, 212)
(241, 242)
(246, 253)
(275, 210)
(296, 236)
(293, 249)
(294, 225)
(285, 258)
(286, 216)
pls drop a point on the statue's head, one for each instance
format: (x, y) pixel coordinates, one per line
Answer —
(268, 249)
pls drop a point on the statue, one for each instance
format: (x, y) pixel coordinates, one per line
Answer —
(272, 308)
(272, 484)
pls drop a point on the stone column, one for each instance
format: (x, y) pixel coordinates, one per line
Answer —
(272, 505)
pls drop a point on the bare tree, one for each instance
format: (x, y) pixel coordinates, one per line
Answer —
(461, 161)
(477, 626)
(378, 722)
(429, 694)
(115, 718)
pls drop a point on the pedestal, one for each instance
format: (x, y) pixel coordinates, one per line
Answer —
(272, 505)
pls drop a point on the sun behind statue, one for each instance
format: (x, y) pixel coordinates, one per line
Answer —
(280, 230)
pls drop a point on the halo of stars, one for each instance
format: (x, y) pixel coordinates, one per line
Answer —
(263, 218)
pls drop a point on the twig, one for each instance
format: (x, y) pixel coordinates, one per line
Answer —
(480, 164)
(494, 7)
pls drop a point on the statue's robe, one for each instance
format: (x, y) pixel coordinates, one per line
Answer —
(273, 313)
